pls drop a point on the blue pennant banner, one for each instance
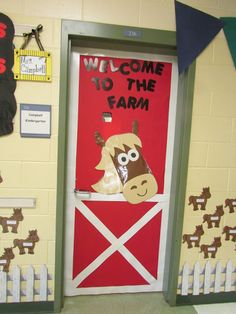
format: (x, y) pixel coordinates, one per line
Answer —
(194, 31)
(230, 34)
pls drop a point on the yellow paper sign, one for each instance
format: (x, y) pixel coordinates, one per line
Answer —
(32, 65)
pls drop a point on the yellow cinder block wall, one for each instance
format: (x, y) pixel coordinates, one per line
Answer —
(28, 166)
(212, 158)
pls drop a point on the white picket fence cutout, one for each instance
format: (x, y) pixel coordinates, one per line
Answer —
(10, 285)
(207, 279)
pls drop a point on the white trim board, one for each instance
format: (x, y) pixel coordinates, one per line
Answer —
(11, 202)
(21, 29)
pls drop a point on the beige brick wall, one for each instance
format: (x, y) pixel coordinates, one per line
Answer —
(212, 157)
(28, 166)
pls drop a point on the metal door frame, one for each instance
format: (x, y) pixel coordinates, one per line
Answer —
(97, 35)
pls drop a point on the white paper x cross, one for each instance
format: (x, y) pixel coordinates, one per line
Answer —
(117, 244)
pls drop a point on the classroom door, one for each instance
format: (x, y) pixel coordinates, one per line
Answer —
(121, 135)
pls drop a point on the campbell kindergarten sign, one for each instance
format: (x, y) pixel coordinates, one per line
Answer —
(35, 120)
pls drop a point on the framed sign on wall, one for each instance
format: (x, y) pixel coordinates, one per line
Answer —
(32, 65)
(35, 120)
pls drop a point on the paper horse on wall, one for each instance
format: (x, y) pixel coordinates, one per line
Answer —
(125, 168)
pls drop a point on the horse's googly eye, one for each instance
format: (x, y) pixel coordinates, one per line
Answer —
(133, 154)
(123, 159)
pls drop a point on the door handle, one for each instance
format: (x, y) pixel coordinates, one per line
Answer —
(82, 194)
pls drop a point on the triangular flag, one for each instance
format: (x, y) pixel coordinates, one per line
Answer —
(230, 34)
(194, 31)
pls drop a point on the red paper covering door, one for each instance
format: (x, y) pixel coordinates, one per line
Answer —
(116, 245)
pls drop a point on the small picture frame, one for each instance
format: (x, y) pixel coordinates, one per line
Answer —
(32, 65)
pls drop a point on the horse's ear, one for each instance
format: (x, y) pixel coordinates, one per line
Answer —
(98, 139)
(135, 127)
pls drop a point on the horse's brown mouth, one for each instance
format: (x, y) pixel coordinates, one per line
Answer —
(141, 195)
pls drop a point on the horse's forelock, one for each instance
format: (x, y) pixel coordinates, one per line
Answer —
(118, 141)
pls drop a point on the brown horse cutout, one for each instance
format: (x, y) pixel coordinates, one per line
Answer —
(28, 243)
(194, 238)
(214, 218)
(12, 221)
(6, 258)
(231, 203)
(211, 249)
(125, 169)
(229, 232)
(201, 200)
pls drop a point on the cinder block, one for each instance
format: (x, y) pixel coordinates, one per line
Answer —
(57, 33)
(117, 12)
(11, 174)
(234, 131)
(221, 155)
(211, 129)
(157, 14)
(55, 86)
(12, 7)
(228, 5)
(38, 93)
(223, 103)
(201, 4)
(232, 180)
(54, 120)
(55, 8)
(51, 253)
(55, 63)
(198, 154)
(32, 17)
(38, 175)
(221, 52)
(206, 56)
(215, 178)
(52, 202)
(210, 77)
(29, 149)
(53, 148)
(202, 99)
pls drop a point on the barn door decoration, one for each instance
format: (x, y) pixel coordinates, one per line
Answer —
(122, 131)
(135, 94)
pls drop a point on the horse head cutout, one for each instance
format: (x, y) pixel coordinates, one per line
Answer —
(125, 169)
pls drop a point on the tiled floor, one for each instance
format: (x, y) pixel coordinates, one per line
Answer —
(139, 303)
(226, 308)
